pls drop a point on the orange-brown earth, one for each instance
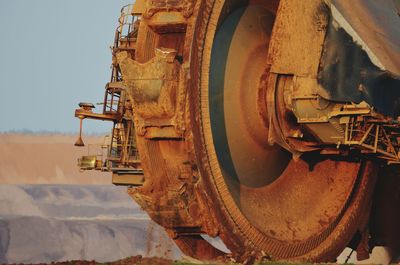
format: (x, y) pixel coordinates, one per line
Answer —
(46, 159)
(128, 261)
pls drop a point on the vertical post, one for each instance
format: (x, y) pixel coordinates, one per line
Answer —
(376, 138)
(346, 133)
(79, 142)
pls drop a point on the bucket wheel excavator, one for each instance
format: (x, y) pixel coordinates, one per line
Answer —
(272, 124)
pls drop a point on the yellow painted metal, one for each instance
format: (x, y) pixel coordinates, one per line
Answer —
(127, 179)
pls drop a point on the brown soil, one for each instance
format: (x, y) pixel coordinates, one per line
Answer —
(139, 260)
(46, 159)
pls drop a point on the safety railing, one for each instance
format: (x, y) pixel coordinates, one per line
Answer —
(120, 152)
(112, 99)
(96, 158)
(126, 32)
(123, 146)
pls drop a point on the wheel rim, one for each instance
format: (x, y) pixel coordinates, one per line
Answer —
(294, 208)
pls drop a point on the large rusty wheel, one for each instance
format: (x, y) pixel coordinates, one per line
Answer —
(224, 178)
(289, 209)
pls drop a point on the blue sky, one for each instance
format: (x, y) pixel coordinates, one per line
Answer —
(53, 55)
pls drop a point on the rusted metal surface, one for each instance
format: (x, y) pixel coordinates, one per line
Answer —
(375, 27)
(119, 155)
(235, 130)
(354, 72)
(349, 74)
(299, 33)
